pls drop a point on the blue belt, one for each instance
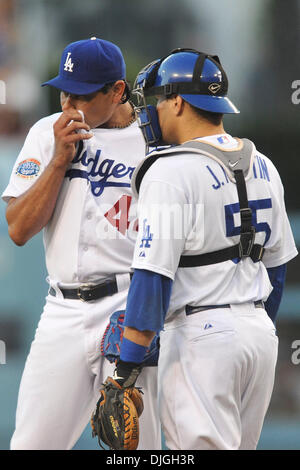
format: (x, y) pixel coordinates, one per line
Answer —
(189, 309)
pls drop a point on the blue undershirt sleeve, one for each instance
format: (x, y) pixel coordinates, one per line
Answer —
(148, 300)
(277, 278)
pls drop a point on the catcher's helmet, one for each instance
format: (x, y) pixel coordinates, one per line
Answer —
(197, 77)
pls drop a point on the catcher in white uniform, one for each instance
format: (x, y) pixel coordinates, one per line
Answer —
(210, 259)
(72, 179)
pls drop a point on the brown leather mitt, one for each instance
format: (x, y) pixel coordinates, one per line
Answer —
(116, 419)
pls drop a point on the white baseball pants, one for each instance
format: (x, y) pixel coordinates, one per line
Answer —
(216, 376)
(63, 373)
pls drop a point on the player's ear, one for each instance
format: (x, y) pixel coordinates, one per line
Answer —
(118, 90)
(178, 105)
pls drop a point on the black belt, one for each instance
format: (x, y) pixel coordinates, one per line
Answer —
(189, 310)
(88, 292)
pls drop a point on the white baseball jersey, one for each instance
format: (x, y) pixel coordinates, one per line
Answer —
(187, 205)
(90, 237)
(93, 227)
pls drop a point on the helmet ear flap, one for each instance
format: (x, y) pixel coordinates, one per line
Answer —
(152, 74)
(149, 125)
(146, 77)
(147, 114)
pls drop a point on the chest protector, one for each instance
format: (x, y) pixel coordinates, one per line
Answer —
(238, 165)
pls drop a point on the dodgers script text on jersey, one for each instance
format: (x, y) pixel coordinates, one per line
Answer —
(98, 181)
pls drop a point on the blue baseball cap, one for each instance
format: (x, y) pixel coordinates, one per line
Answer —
(87, 65)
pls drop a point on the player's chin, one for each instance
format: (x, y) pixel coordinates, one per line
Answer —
(95, 120)
(100, 123)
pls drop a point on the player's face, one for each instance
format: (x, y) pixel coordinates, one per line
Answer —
(97, 107)
(165, 120)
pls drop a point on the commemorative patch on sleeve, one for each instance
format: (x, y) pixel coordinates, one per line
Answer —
(28, 168)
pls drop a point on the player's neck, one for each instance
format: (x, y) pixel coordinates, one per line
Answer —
(123, 117)
(193, 129)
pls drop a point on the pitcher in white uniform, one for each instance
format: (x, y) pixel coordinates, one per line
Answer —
(210, 259)
(72, 180)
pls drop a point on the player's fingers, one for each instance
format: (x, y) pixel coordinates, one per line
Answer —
(75, 126)
(76, 137)
(71, 128)
(66, 118)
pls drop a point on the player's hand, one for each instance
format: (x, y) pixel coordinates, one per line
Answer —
(68, 130)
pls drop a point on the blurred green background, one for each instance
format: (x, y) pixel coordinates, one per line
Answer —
(258, 44)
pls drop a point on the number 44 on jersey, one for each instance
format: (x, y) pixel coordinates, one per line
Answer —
(118, 215)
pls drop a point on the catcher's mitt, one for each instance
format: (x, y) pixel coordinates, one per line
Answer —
(112, 339)
(115, 420)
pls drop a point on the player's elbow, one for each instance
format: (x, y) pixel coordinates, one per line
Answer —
(16, 224)
(16, 235)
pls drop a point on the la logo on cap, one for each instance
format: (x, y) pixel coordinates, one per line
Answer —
(68, 66)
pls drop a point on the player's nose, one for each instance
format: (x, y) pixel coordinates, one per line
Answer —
(67, 102)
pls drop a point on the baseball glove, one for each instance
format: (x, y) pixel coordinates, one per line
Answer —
(115, 421)
(112, 339)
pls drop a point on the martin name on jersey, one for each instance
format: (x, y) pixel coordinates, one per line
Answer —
(204, 216)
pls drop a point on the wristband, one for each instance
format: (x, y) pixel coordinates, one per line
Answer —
(132, 352)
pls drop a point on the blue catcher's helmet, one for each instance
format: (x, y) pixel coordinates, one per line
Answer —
(197, 77)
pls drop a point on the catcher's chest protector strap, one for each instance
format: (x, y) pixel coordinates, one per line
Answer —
(238, 165)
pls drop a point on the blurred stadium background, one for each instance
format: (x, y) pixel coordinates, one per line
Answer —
(258, 43)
